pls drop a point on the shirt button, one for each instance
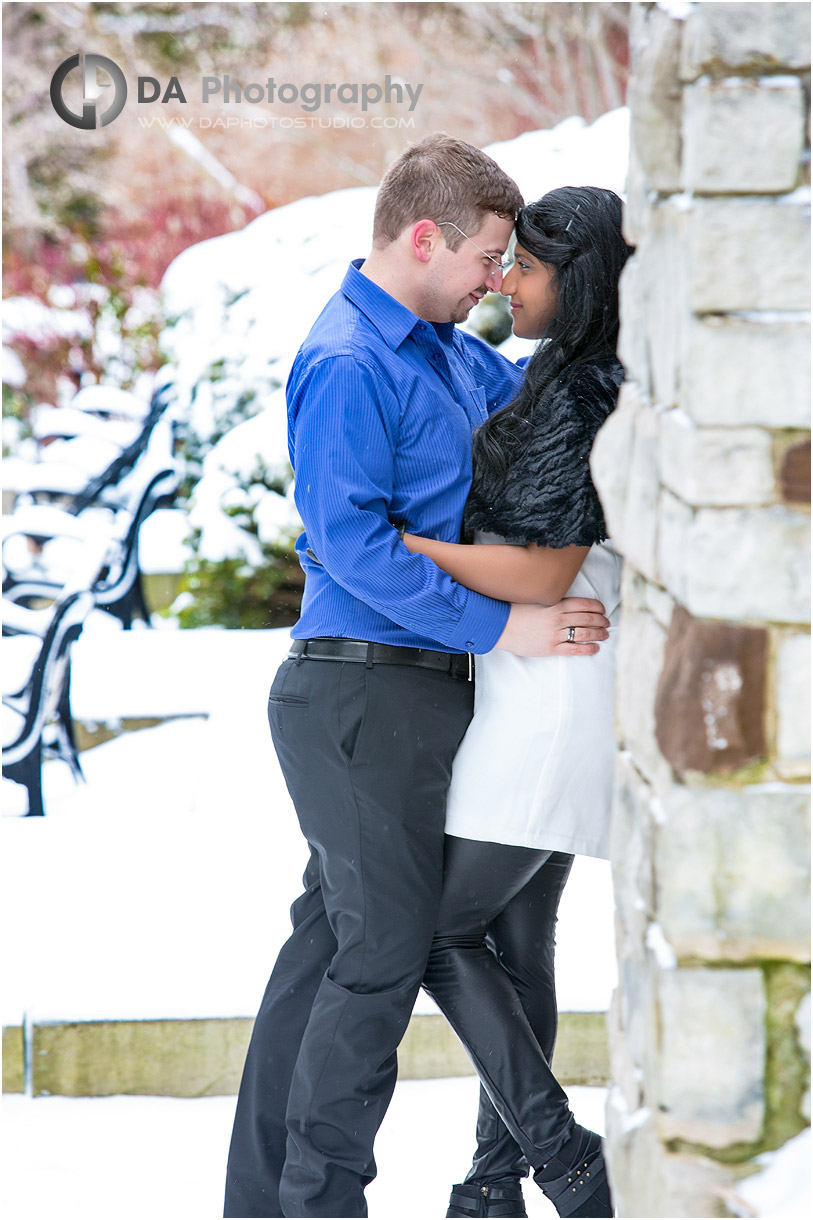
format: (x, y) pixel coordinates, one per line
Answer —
(470, 645)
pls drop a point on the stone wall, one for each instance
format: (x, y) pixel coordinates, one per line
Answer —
(704, 473)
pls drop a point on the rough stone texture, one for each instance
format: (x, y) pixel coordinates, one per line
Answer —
(696, 1186)
(767, 372)
(709, 702)
(632, 841)
(13, 1060)
(655, 309)
(659, 604)
(749, 254)
(794, 475)
(736, 563)
(715, 466)
(648, 1181)
(582, 1054)
(635, 211)
(756, 36)
(624, 462)
(641, 642)
(655, 97)
(610, 457)
(743, 135)
(793, 706)
(632, 344)
(803, 1030)
(703, 471)
(635, 1168)
(639, 524)
(732, 872)
(204, 1058)
(161, 1058)
(710, 1089)
(675, 522)
(665, 251)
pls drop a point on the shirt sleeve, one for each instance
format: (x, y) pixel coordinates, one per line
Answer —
(344, 418)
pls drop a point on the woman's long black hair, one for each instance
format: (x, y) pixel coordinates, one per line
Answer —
(577, 231)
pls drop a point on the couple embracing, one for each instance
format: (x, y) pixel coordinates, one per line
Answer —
(441, 826)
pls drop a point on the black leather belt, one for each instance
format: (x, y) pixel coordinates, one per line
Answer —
(459, 665)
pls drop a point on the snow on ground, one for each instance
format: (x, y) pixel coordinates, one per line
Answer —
(781, 1189)
(132, 1157)
(162, 887)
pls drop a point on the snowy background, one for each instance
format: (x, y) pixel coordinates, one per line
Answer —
(162, 887)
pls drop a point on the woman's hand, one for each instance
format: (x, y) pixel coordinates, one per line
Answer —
(543, 631)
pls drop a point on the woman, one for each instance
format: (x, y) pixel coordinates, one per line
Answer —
(532, 780)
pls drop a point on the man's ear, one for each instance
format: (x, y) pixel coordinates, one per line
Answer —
(425, 237)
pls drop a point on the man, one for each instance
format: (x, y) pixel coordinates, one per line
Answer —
(369, 709)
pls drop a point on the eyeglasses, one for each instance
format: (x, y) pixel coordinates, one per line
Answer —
(500, 266)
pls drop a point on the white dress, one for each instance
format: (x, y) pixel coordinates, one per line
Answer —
(535, 768)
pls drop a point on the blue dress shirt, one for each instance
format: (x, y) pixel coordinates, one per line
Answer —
(381, 408)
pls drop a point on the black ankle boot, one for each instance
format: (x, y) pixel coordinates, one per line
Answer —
(470, 1200)
(575, 1180)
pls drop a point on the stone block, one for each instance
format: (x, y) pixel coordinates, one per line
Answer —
(666, 310)
(161, 1058)
(641, 642)
(736, 564)
(654, 299)
(793, 706)
(634, 1158)
(631, 849)
(803, 1025)
(675, 521)
(582, 1054)
(632, 344)
(732, 872)
(204, 1058)
(743, 35)
(794, 474)
(13, 1059)
(737, 372)
(639, 529)
(696, 1186)
(625, 1073)
(431, 1048)
(710, 699)
(749, 254)
(611, 459)
(660, 604)
(647, 1180)
(655, 96)
(636, 206)
(638, 1015)
(721, 466)
(803, 1030)
(712, 1064)
(743, 135)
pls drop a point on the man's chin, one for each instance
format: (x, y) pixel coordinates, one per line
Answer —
(462, 311)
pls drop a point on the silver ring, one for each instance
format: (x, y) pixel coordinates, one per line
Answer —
(571, 635)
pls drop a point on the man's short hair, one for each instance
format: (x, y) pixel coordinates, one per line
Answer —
(441, 178)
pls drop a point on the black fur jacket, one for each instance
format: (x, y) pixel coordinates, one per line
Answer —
(547, 495)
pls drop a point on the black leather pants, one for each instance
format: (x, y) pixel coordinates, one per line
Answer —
(491, 971)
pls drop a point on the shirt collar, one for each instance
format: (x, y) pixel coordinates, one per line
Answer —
(392, 319)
